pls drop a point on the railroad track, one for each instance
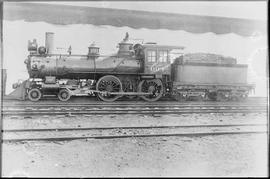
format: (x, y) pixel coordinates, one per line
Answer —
(66, 134)
(8, 105)
(131, 109)
(95, 102)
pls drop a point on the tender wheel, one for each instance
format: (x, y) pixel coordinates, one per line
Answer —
(34, 94)
(179, 97)
(222, 97)
(243, 97)
(64, 95)
(155, 87)
(109, 83)
(212, 96)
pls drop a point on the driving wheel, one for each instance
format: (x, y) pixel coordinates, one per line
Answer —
(107, 84)
(155, 87)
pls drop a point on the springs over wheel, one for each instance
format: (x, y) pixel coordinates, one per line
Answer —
(109, 83)
(155, 87)
(63, 95)
(179, 97)
(34, 94)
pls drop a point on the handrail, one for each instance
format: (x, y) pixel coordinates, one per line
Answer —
(75, 55)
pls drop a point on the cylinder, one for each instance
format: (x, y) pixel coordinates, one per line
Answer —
(49, 42)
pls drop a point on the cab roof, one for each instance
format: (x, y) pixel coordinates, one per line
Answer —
(167, 47)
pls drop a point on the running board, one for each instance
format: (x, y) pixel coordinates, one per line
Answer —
(86, 92)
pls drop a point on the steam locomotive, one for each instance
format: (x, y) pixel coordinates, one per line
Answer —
(147, 70)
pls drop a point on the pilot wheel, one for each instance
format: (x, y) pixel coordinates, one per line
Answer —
(155, 87)
(34, 94)
(64, 95)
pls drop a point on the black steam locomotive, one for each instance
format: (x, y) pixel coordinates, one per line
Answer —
(147, 70)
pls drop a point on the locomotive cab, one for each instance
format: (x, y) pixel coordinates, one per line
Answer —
(158, 58)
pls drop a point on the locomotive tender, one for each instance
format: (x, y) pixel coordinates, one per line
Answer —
(147, 70)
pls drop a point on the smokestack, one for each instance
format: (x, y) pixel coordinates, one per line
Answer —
(49, 42)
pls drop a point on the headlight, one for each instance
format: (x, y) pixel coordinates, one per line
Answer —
(34, 66)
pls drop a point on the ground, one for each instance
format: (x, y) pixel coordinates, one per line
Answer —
(223, 155)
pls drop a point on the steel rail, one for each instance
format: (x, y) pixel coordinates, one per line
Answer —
(134, 108)
(135, 111)
(130, 112)
(128, 127)
(187, 134)
(124, 135)
(160, 106)
(133, 105)
(89, 102)
(127, 109)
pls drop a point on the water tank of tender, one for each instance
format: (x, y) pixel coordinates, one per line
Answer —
(212, 73)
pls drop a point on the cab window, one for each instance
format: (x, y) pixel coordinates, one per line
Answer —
(151, 56)
(163, 56)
